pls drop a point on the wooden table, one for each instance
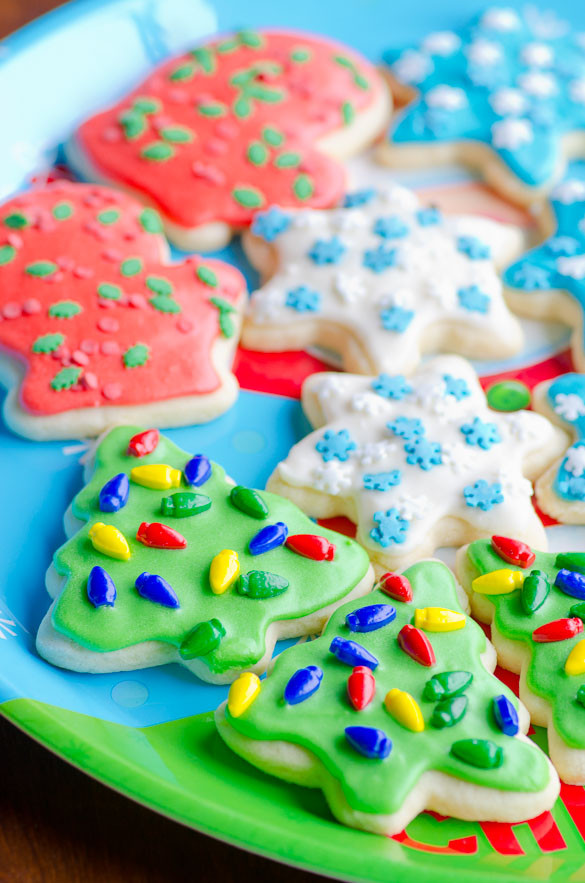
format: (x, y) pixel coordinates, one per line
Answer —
(59, 826)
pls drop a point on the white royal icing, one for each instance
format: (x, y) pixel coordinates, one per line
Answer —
(501, 19)
(575, 461)
(573, 266)
(508, 102)
(483, 52)
(538, 84)
(510, 134)
(443, 43)
(537, 55)
(569, 191)
(412, 67)
(446, 98)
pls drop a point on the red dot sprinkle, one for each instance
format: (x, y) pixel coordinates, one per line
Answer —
(89, 380)
(80, 358)
(138, 301)
(83, 272)
(31, 306)
(108, 325)
(11, 310)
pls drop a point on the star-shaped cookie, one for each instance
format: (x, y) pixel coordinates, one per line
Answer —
(418, 462)
(381, 281)
(503, 94)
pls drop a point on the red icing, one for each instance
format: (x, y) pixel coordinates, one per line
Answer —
(195, 185)
(96, 339)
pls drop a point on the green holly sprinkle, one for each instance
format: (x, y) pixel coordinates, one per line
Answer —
(358, 79)
(206, 275)
(251, 39)
(41, 268)
(133, 123)
(242, 107)
(157, 151)
(272, 136)
(159, 285)
(212, 109)
(347, 112)
(108, 216)
(226, 323)
(257, 153)
(150, 221)
(183, 72)
(131, 266)
(64, 309)
(145, 104)
(16, 221)
(62, 211)
(248, 197)
(204, 57)
(7, 254)
(48, 343)
(300, 54)
(109, 291)
(177, 134)
(136, 355)
(287, 160)
(65, 378)
(165, 304)
(303, 187)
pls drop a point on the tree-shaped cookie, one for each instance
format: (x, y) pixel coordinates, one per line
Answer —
(417, 462)
(503, 94)
(536, 604)
(99, 327)
(381, 281)
(168, 561)
(394, 710)
(252, 119)
(548, 282)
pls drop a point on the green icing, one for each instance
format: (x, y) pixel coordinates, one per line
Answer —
(300, 54)
(313, 584)
(157, 151)
(347, 112)
(183, 72)
(303, 187)
(287, 160)
(177, 134)
(359, 80)
(16, 221)
(207, 276)
(272, 136)
(62, 211)
(204, 58)
(212, 109)
(226, 323)
(159, 285)
(164, 304)
(131, 266)
(136, 355)
(109, 216)
(133, 123)
(318, 723)
(150, 221)
(257, 153)
(545, 674)
(146, 104)
(249, 197)
(7, 254)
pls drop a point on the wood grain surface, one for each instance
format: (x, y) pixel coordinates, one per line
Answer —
(59, 826)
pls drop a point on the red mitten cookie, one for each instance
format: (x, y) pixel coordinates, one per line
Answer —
(250, 120)
(97, 327)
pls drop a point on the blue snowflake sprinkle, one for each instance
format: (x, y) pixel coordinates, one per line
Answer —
(303, 299)
(571, 487)
(335, 445)
(473, 248)
(382, 481)
(392, 227)
(359, 197)
(391, 528)
(482, 495)
(327, 251)
(423, 453)
(408, 428)
(456, 387)
(270, 224)
(391, 386)
(396, 319)
(530, 276)
(379, 259)
(562, 245)
(427, 217)
(473, 299)
(484, 435)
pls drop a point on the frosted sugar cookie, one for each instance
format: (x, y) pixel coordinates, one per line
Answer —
(98, 327)
(417, 462)
(251, 119)
(381, 281)
(394, 710)
(536, 604)
(505, 94)
(168, 561)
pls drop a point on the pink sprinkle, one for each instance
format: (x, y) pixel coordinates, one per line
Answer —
(138, 301)
(216, 147)
(11, 310)
(111, 254)
(110, 348)
(208, 173)
(54, 277)
(31, 306)
(61, 353)
(89, 380)
(15, 240)
(108, 325)
(83, 272)
(112, 391)
(65, 263)
(111, 135)
(184, 325)
(105, 304)
(97, 230)
(161, 120)
(92, 199)
(79, 358)
(88, 346)
(226, 129)
(178, 96)
(129, 235)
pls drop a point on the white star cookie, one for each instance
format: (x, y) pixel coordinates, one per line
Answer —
(431, 465)
(381, 281)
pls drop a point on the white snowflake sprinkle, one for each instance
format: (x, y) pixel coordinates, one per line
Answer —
(569, 406)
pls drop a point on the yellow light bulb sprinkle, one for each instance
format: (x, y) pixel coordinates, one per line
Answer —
(157, 476)
(243, 692)
(498, 582)
(404, 709)
(575, 664)
(224, 570)
(108, 540)
(438, 619)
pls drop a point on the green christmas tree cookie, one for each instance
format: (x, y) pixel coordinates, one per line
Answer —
(535, 602)
(394, 710)
(168, 561)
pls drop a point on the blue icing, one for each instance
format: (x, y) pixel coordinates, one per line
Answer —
(473, 299)
(428, 217)
(379, 259)
(562, 245)
(390, 528)
(483, 63)
(382, 481)
(270, 224)
(303, 299)
(456, 386)
(396, 319)
(327, 251)
(480, 434)
(423, 453)
(335, 445)
(391, 386)
(483, 495)
(407, 428)
(473, 248)
(359, 197)
(566, 395)
(392, 227)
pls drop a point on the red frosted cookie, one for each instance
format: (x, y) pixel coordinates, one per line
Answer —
(97, 327)
(250, 120)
